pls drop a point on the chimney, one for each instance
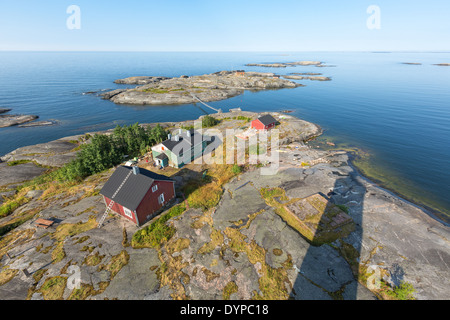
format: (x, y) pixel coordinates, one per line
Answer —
(135, 170)
(189, 133)
(169, 136)
(177, 138)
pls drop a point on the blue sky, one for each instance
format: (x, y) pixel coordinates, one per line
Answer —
(245, 25)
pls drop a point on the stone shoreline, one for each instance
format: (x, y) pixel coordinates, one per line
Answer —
(393, 235)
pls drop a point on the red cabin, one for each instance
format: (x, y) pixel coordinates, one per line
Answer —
(138, 194)
(265, 122)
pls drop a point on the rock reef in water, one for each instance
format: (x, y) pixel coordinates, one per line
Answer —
(443, 64)
(209, 87)
(3, 110)
(14, 119)
(316, 78)
(285, 64)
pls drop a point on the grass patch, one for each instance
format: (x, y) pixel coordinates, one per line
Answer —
(69, 229)
(229, 289)
(7, 275)
(9, 206)
(58, 254)
(93, 259)
(178, 245)
(343, 208)
(404, 291)
(17, 162)
(158, 231)
(273, 283)
(116, 264)
(216, 240)
(87, 290)
(53, 288)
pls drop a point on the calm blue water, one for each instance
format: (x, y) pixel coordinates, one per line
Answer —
(399, 113)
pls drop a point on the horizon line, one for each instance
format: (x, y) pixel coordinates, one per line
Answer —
(236, 51)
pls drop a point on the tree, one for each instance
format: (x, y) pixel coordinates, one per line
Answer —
(208, 121)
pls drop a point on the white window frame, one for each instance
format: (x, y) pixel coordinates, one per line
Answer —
(161, 198)
(155, 188)
(127, 212)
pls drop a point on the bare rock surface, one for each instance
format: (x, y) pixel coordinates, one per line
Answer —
(209, 87)
(241, 249)
(52, 154)
(10, 120)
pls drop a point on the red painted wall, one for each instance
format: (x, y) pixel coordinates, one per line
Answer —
(119, 209)
(258, 125)
(149, 205)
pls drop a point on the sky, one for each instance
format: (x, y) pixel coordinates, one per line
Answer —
(244, 25)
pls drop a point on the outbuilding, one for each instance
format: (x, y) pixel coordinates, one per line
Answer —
(137, 194)
(265, 122)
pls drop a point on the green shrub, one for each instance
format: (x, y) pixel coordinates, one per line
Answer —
(405, 291)
(236, 169)
(158, 231)
(208, 121)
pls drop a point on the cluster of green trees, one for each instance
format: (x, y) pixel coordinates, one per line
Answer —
(208, 121)
(105, 151)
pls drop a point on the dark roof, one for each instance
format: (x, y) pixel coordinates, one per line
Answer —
(267, 119)
(184, 142)
(162, 156)
(135, 187)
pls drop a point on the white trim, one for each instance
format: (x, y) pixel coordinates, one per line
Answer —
(128, 212)
(161, 198)
(155, 188)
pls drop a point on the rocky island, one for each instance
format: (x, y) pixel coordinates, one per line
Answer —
(9, 120)
(188, 89)
(315, 229)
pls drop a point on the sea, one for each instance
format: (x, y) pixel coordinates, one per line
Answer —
(397, 114)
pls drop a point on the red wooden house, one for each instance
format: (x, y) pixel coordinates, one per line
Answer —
(265, 122)
(137, 194)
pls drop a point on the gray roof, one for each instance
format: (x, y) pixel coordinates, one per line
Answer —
(267, 119)
(184, 143)
(162, 156)
(135, 187)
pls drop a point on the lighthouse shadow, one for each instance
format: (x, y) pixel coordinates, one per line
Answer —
(330, 267)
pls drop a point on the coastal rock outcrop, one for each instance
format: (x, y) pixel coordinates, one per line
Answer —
(9, 120)
(316, 78)
(185, 90)
(285, 64)
(4, 110)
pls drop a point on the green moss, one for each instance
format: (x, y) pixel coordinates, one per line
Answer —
(58, 253)
(93, 259)
(17, 162)
(53, 288)
(216, 240)
(116, 263)
(9, 206)
(229, 289)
